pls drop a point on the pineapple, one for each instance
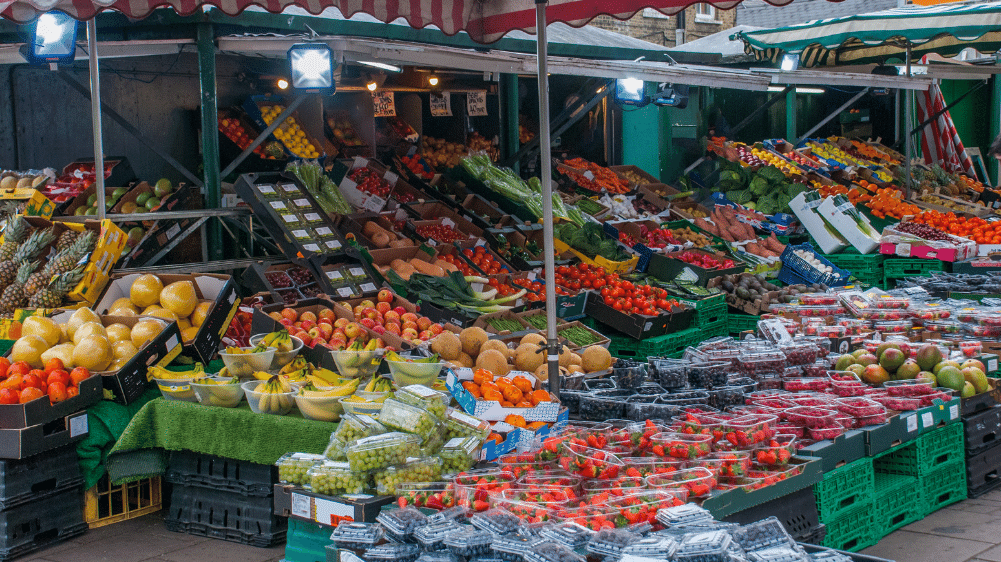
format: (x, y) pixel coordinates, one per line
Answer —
(14, 234)
(13, 296)
(68, 258)
(29, 250)
(52, 296)
(66, 239)
(35, 282)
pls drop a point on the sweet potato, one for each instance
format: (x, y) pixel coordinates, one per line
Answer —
(402, 268)
(427, 268)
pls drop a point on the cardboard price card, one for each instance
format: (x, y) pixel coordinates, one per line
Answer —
(441, 104)
(384, 103)
(476, 103)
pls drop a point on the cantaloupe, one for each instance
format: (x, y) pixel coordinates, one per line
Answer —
(565, 356)
(497, 345)
(575, 359)
(465, 360)
(528, 358)
(542, 373)
(493, 361)
(447, 346)
(595, 358)
(472, 339)
(533, 338)
(575, 368)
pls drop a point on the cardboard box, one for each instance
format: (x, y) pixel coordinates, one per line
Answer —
(956, 249)
(491, 410)
(624, 266)
(25, 442)
(329, 511)
(359, 199)
(634, 170)
(162, 234)
(174, 201)
(668, 267)
(36, 204)
(483, 213)
(80, 201)
(529, 440)
(846, 226)
(131, 381)
(636, 326)
(220, 289)
(811, 219)
(41, 411)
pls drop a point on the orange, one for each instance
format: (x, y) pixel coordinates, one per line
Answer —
(515, 420)
(507, 404)
(511, 394)
(540, 396)
(492, 395)
(523, 384)
(496, 438)
(482, 375)
(536, 425)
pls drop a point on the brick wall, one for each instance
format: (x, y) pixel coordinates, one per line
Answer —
(660, 29)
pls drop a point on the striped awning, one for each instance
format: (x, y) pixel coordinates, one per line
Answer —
(485, 21)
(879, 36)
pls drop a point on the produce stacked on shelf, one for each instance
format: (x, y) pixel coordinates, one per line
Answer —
(290, 133)
(236, 131)
(594, 178)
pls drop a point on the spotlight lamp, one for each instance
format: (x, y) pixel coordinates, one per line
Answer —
(282, 84)
(372, 86)
(433, 80)
(629, 91)
(312, 68)
(53, 39)
(789, 62)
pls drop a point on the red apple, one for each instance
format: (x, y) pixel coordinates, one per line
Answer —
(424, 322)
(379, 329)
(408, 333)
(370, 313)
(425, 335)
(341, 322)
(367, 322)
(400, 310)
(409, 325)
(308, 316)
(325, 322)
(326, 329)
(353, 330)
(385, 295)
(436, 328)
(409, 316)
(276, 316)
(367, 303)
(286, 322)
(327, 314)
(391, 316)
(393, 328)
(308, 325)
(383, 307)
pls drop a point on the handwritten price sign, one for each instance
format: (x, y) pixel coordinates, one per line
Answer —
(441, 105)
(385, 104)
(476, 103)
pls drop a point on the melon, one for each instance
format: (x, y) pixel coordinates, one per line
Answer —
(595, 358)
(447, 346)
(495, 345)
(528, 358)
(472, 339)
(493, 361)
(538, 339)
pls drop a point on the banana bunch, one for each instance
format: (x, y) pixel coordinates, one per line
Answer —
(379, 384)
(394, 356)
(225, 394)
(158, 372)
(323, 404)
(325, 377)
(274, 396)
(298, 370)
(313, 391)
(357, 359)
(279, 340)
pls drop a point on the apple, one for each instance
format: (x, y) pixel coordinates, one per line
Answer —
(370, 313)
(325, 322)
(409, 316)
(307, 325)
(341, 322)
(286, 322)
(339, 333)
(379, 329)
(315, 333)
(358, 310)
(277, 316)
(436, 328)
(424, 322)
(409, 333)
(353, 330)
(307, 340)
(327, 314)
(367, 303)
(383, 307)
(394, 329)
(425, 335)
(391, 316)
(408, 325)
(367, 322)
(308, 316)
(400, 310)
(326, 329)
(385, 295)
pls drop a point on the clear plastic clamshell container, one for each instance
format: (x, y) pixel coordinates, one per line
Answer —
(292, 467)
(459, 454)
(406, 417)
(401, 523)
(432, 537)
(551, 552)
(383, 450)
(799, 352)
(424, 397)
(683, 515)
(710, 546)
(908, 387)
(783, 553)
(761, 361)
(806, 384)
(655, 547)
(469, 542)
(762, 534)
(497, 521)
(513, 547)
(568, 534)
(776, 451)
(333, 478)
(459, 424)
(426, 469)
(402, 552)
(357, 536)
(611, 542)
(818, 298)
(890, 302)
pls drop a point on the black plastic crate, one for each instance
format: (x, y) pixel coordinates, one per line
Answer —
(220, 473)
(34, 525)
(817, 535)
(983, 472)
(225, 515)
(797, 512)
(982, 430)
(38, 477)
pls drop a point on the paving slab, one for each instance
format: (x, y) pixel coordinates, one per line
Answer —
(908, 546)
(978, 505)
(959, 524)
(224, 551)
(991, 554)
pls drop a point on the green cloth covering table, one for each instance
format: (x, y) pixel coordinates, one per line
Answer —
(237, 433)
(106, 421)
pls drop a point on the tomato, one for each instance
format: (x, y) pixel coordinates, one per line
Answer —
(9, 396)
(57, 392)
(59, 376)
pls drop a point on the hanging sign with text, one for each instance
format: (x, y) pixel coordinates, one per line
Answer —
(385, 104)
(476, 103)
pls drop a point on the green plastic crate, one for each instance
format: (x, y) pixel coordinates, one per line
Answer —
(853, 530)
(944, 486)
(926, 454)
(843, 489)
(708, 311)
(668, 345)
(737, 323)
(306, 542)
(896, 503)
(857, 263)
(714, 330)
(5, 346)
(899, 268)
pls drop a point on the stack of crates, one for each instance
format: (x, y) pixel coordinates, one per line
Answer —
(224, 499)
(307, 542)
(934, 464)
(710, 315)
(895, 268)
(41, 501)
(845, 505)
(668, 345)
(982, 435)
(737, 323)
(867, 269)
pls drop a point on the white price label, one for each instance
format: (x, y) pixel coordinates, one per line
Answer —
(390, 178)
(290, 188)
(278, 205)
(476, 103)
(313, 217)
(345, 291)
(441, 104)
(324, 231)
(334, 275)
(927, 419)
(374, 203)
(301, 506)
(384, 104)
(300, 234)
(332, 513)
(290, 218)
(904, 249)
(79, 426)
(302, 203)
(333, 244)
(992, 365)
(356, 272)
(912, 423)
(589, 175)
(311, 247)
(265, 189)
(953, 411)
(173, 231)
(368, 287)
(447, 222)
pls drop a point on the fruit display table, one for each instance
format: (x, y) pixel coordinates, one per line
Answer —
(237, 433)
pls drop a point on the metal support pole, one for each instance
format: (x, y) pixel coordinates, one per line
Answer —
(545, 157)
(791, 113)
(832, 115)
(285, 114)
(95, 116)
(210, 134)
(510, 137)
(995, 166)
(908, 97)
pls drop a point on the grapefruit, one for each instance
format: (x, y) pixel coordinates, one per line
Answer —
(80, 317)
(119, 332)
(93, 352)
(29, 349)
(201, 313)
(145, 290)
(41, 326)
(124, 302)
(179, 298)
(144, 331)
(89, 329)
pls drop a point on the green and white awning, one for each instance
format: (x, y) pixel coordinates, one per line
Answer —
(881, 36)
